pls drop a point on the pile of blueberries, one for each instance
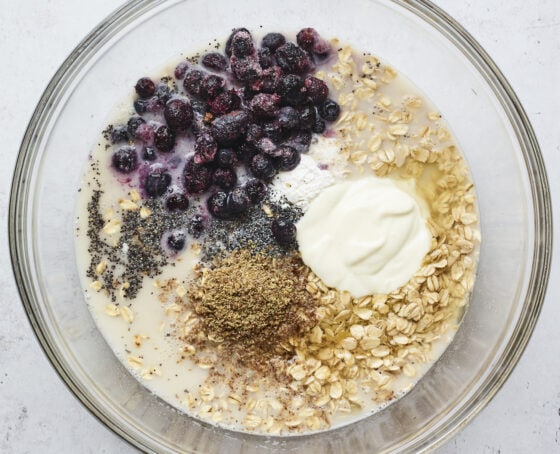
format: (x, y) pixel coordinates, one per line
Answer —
(252, 108)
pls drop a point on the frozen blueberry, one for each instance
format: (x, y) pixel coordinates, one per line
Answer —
(307, 116)
(141, 105)
(197, 177)
(306, 38)
(164, 139)
(178, 114)
(193, 82)
(230, 39)
(119, 134)
(181, 70)
(317, 90)
(242, 44)
(125, 160)
(256, 190)
(329, 110)
(217, 205)
(268, 81)
(284, 231)
(156, 183)
(215, 61)
(225, 102)
(212, 86)
(262, 167)
(254, 133)
(293, 59)
(224, 178)
(230, 128)
(163, 92)
(319, 126)
(273, 41)
(149, 154)
(288, 118)
(205, 148)
(265, 105)
(274, 131)
(133, 124)
(177, 202)
(292, 90)
(245, 69)
(238, 201)
(225, 158)
(287, 158)
(145, 133)
(145, 87)
(176, 240)
(267, 146)
(266, 58)
(195, 225)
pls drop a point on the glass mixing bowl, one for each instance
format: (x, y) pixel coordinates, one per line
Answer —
(423, 43)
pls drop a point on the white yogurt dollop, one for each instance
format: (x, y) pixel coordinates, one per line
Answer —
(365, 236)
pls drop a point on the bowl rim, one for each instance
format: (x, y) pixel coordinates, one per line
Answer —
(427, 12)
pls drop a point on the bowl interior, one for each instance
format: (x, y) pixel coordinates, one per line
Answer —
(418, 44)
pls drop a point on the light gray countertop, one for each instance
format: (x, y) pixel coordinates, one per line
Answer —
(39, 414)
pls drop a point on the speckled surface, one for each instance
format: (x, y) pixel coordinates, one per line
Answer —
(39, 414)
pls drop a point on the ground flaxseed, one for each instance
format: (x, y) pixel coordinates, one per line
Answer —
(262, 307)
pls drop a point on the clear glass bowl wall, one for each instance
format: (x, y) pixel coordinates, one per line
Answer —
(422, 43)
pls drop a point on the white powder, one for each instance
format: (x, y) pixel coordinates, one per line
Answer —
(320, 168)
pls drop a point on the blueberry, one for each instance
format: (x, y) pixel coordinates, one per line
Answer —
(217, 205)
(306, 38)
(197, 177)
(212, 86)
(141, 105)
(268, 81)
(132, 125)
(215, 61)
(273, 130)
(145, 87)
(319, 126)
(288, 118)
(177, 202)
(317, 90)
(262, 167)
(164, 139)
(178, 114)
(238, 201)
(225, 102)
(329, 110)
(181, 70)
(230, 128)
(301, 141)
(292, 90)
(195, 225)
(287, 158)
(145, 133)
(245, 152)
(125, 160)
(273, 41)
(254, 133)
(224, 178)
(256, 190)
(265, 105)
(225, 158)
(149, 154)
(154, 104)
(156, 183)
(245, 69)
(119, 134)
(242, 44)
(307, 116)
(266, 58)
(230, 40)
(193, 82)
(284, 231)
(267, 146)
(205, 148)
(163, 93)
(176, 240)
(293, 59)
